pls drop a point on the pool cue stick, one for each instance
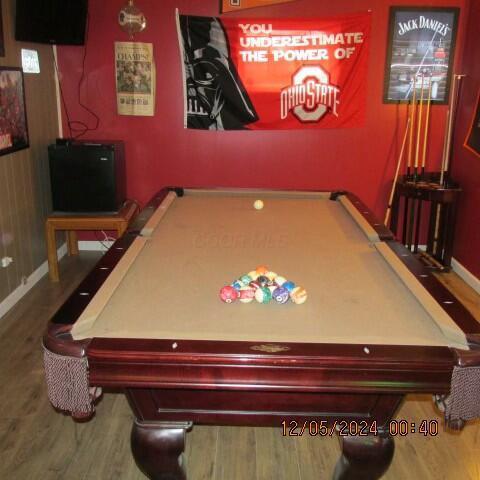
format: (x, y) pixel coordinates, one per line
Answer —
(412, 124)
(453, 107)
(446, 156)
(427, 124)
(419, 129)
(399, 163)
(439, 207)
(417, 226)
(405, 219)
(411, 218)
(448, 131)
(444, 149)
(411, 214)
(429, 260)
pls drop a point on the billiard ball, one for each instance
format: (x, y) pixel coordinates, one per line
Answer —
(253, 275)
(246, 279)
(258, 204)
(247, 294)
(281, 295)
(228, 294)
(279, 280)
(263, 295)
(271, 276)
(261, 270)
(289, 286)
(298, 295)
(263, 280)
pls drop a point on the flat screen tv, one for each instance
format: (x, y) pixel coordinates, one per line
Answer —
(60, 22)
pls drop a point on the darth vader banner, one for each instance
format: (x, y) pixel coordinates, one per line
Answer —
(273, 74)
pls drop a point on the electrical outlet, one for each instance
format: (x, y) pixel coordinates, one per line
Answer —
(24, 280)
(6, 261)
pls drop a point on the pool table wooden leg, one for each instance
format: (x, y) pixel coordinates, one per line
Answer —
(158, 447)
(364, 458)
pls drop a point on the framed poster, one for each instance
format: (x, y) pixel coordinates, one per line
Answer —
(421, 45)
(472, 141)
(2, 43)
(13, 117)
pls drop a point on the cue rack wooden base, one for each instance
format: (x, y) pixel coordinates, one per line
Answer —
(426, 200)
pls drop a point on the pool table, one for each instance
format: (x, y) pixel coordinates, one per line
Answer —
(148, 321)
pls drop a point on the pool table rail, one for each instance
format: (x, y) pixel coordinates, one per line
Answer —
(304, 367)
(383, 232)
(449, 303)
(69, 312)
(143, 217)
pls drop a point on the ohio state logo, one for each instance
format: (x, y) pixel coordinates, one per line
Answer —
(311, 95)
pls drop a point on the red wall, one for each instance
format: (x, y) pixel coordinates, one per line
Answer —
(466, 165)
(160, 152)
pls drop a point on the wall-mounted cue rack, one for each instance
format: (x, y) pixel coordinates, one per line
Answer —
(417, 191)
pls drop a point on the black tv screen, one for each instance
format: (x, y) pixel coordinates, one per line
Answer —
(60, 22)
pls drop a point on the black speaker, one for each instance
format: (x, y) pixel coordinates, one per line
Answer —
(87, 176)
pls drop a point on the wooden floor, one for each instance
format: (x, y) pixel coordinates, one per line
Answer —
(38, 443)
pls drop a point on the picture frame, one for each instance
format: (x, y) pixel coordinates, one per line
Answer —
(472, 142)
(13, 121)
(420, 53)
(2, 41)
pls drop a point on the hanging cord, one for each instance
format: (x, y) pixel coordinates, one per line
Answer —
(78, 128)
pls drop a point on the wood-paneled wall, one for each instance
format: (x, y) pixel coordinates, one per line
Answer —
(24, 180)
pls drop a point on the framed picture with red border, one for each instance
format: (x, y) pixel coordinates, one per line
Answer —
(472, 142)
(13, 121)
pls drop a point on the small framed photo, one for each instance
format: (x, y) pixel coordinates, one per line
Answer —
(13, 121)
(421, 47)
(472, 141)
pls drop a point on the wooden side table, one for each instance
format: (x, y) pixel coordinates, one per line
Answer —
(71, 223)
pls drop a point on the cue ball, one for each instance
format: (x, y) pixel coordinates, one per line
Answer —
(258, 204)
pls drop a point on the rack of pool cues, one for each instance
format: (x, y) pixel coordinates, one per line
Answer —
(418, 189)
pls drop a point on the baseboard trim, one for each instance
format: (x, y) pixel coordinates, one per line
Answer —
(468, 277)
(94, 245)
(12, 299)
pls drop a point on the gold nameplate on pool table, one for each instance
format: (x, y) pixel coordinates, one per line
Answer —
(270, 348)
